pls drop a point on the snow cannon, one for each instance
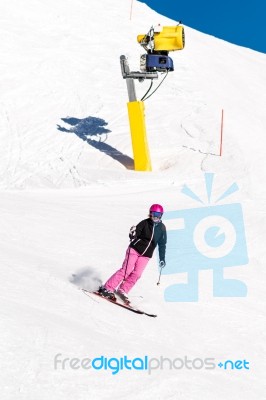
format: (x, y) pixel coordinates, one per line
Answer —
(157, 43)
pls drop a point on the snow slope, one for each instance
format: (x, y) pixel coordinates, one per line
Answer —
(64, 126)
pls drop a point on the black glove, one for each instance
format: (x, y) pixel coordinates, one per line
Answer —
(162, 264)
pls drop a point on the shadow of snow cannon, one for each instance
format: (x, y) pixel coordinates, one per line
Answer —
(92, 130)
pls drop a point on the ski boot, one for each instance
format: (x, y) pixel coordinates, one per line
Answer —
(123, 296)
(106, 293)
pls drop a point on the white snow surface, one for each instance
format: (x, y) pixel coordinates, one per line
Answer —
(68, 198)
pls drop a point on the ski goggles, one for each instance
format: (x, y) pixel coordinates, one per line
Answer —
(155, 214)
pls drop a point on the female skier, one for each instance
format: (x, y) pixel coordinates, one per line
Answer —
(143, 240)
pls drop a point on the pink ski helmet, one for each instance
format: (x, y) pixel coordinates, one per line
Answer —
(156, 208)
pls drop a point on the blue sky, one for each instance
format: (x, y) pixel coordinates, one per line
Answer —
(237, 21)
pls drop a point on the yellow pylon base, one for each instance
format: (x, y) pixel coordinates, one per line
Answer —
(140, 147)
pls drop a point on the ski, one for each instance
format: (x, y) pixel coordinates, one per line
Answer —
(123, 305)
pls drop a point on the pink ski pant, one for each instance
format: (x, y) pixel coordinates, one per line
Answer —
(131, 270)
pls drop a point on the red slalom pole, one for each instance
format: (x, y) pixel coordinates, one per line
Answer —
(222, 128)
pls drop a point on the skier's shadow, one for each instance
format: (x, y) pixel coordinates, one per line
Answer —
(87, 128)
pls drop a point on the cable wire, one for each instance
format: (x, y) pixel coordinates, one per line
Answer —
(143, 98)
(156, 88)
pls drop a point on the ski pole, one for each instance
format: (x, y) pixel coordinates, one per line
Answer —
(128, 252)
(158, 283)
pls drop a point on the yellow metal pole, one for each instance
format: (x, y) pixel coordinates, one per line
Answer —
(140, 147)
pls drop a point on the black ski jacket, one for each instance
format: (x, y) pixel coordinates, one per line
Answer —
(148, 235)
